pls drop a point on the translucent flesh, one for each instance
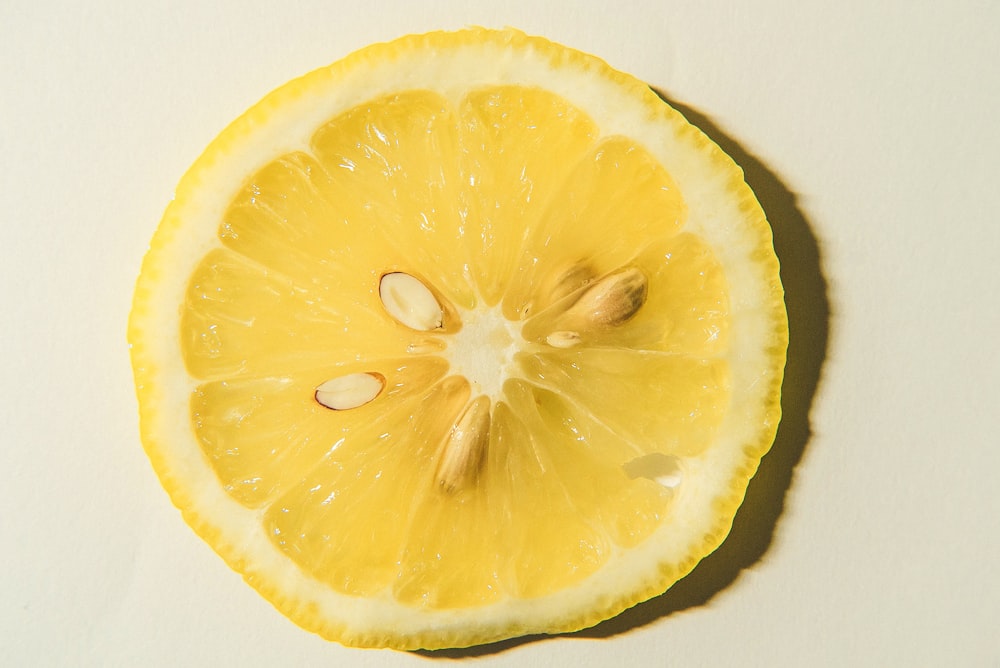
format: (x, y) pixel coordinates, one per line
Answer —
(507, 197)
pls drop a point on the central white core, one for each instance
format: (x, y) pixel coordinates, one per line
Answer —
(483, 350)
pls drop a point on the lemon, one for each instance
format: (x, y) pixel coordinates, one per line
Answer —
(464, 337)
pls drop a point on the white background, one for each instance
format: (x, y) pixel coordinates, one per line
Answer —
(871, 136)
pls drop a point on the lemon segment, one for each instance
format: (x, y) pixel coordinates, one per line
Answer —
(282, 218)
(242, 318)
(262, 435)
(677, 410)
(384, 185)
(615, 202)
(518, 145)
(345, 520)
(452, 555)
(589, 466)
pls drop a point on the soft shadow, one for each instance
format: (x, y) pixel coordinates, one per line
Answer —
(808, 322)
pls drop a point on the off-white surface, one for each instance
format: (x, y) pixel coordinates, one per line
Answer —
(869, 536)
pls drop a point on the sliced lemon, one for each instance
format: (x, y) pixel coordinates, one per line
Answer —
(464, 337)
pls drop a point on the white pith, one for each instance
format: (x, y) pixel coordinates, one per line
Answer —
(189, 231)
(483, 350)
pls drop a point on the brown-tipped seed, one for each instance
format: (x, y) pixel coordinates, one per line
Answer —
(464, 449)
(350, 391)
(611, 301)
(410, 302)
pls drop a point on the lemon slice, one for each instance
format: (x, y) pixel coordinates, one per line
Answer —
(464, 337)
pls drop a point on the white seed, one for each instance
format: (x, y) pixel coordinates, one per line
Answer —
(611, 301)
(410, 302)
(350, 391)
(464, 449)
(563, 339)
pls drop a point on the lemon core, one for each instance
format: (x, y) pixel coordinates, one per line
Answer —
(483, 350)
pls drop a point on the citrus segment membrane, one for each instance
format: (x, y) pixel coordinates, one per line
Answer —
(465, 360)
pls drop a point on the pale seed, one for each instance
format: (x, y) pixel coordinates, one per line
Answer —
(350, 391)
(464, 449)
(410, 302)
(563, 339)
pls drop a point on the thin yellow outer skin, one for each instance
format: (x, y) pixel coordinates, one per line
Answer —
(151, 394)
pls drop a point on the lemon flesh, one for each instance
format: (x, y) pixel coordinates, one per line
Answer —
(613, 464)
